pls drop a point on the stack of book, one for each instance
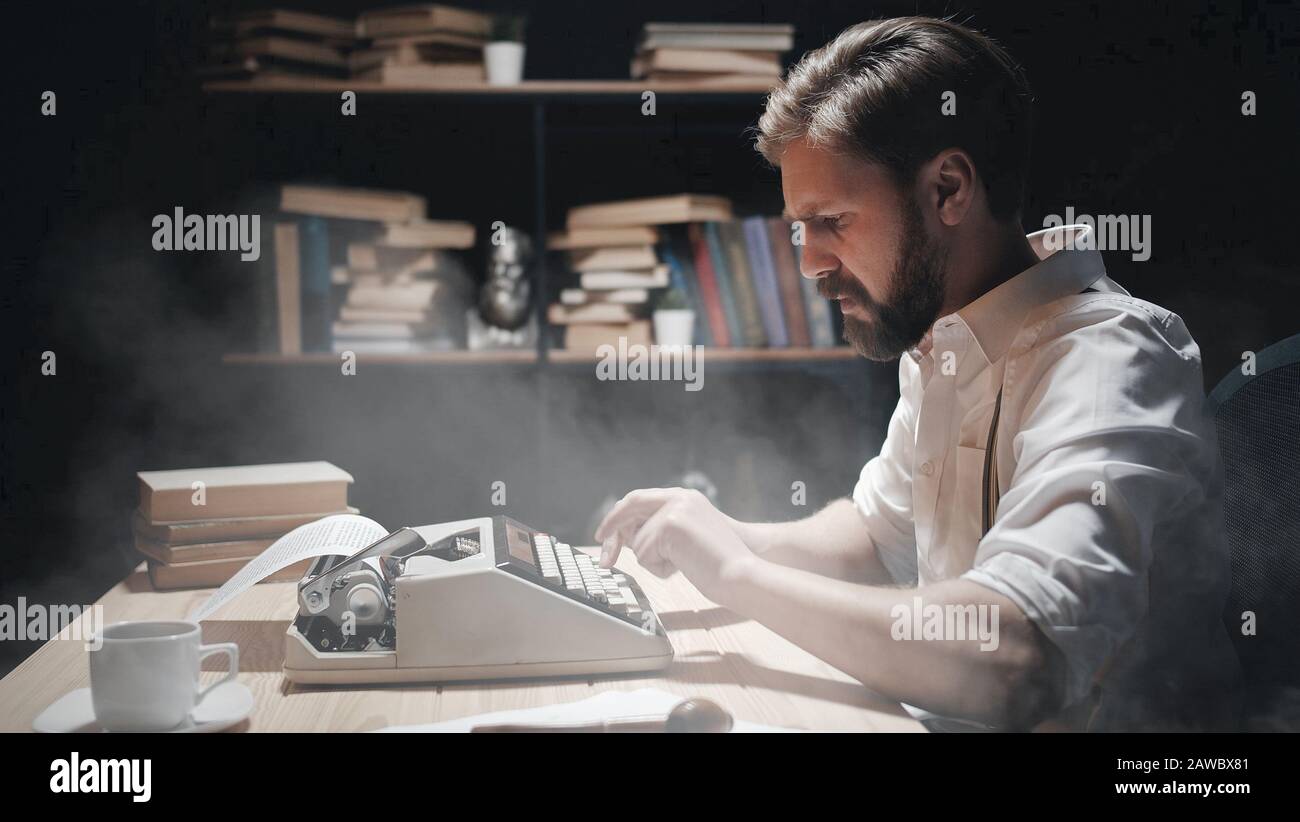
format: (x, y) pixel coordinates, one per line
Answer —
(740, 276)
(712, 53)
(197, 527)
(422, 45)
(276, 43)
(396, 288)
(415, 45)
(612, 251)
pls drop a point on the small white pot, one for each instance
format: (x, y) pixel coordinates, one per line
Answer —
(505, 63)
(674, 326)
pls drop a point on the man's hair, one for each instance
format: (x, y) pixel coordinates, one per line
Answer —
(877, 90)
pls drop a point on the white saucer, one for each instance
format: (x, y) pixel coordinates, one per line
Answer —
(225, 705)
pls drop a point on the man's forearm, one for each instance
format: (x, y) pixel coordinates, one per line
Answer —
(832, 542)
(853, 627)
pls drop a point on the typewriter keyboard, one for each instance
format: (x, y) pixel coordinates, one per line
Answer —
(577, 574)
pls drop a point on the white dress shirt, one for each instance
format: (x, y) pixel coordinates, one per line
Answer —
(1107, 533)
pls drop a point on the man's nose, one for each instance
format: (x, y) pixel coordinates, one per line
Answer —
(815, 264)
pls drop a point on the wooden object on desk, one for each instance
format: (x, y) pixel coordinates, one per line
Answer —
(751, 672)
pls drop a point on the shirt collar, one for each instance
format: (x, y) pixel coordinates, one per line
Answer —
(995, 317)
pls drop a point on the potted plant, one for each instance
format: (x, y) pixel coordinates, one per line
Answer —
(673, 319)
(504, 53)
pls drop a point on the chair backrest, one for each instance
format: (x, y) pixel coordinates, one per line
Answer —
(1257, 416)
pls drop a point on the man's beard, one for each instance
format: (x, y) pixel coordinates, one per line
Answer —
(916, 289)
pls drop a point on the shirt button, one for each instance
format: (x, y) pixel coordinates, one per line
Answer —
(927, 468)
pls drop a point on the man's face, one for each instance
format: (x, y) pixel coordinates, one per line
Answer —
(866, 244)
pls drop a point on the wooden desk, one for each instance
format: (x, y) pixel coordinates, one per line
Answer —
(754, 673)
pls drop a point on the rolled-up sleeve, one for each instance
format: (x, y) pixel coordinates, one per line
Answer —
(1110, 443)
(883, 494)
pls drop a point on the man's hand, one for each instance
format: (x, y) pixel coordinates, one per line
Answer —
(674, 529)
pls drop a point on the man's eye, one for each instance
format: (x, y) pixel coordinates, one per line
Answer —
(833, 221)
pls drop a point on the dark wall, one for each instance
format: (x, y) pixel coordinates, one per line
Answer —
(1138, 112)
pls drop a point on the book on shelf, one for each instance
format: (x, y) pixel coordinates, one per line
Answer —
(424, 233)
(288, 288)
(414, 51)
(676, 254)
(708, 286)
(362, 314)
(758, 251)
(598, 313)
(317, 281)
(656, 277)
(602, 237)
(742, 284)
(417, 295)
(322, 58)
(586, 338)
(775, 37)
(385, 330)
(788, 280)
(352, 203)
(712, 62)
(289, 23)
(197, 527)
(425, 74)
(404, 20)
(677, 208)
(712, 54)
(628, 296)
(614, 258)
(726, 288)
(370, 256)
(436, 44)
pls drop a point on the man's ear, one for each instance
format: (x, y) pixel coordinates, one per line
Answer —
(949, 185)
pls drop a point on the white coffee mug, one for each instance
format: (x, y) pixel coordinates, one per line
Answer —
(145, 675)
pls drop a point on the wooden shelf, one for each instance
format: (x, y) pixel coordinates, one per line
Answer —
(526, 89)
(756, 355)
(748, 355)
(415, 358)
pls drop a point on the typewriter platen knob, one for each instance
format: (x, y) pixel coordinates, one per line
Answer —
(367, 603)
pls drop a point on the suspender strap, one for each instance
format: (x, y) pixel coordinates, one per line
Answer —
(991, 492)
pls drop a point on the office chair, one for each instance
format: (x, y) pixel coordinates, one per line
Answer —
(1258, 422)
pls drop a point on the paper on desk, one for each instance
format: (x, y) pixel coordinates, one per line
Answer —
(603, 706)
(340, 534)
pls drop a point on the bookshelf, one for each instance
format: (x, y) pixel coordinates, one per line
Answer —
(536, 95)
(529, 356)
(736, 355)
(528, 89)
(525, 356)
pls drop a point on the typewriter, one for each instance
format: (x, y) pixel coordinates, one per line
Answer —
(486, 598)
